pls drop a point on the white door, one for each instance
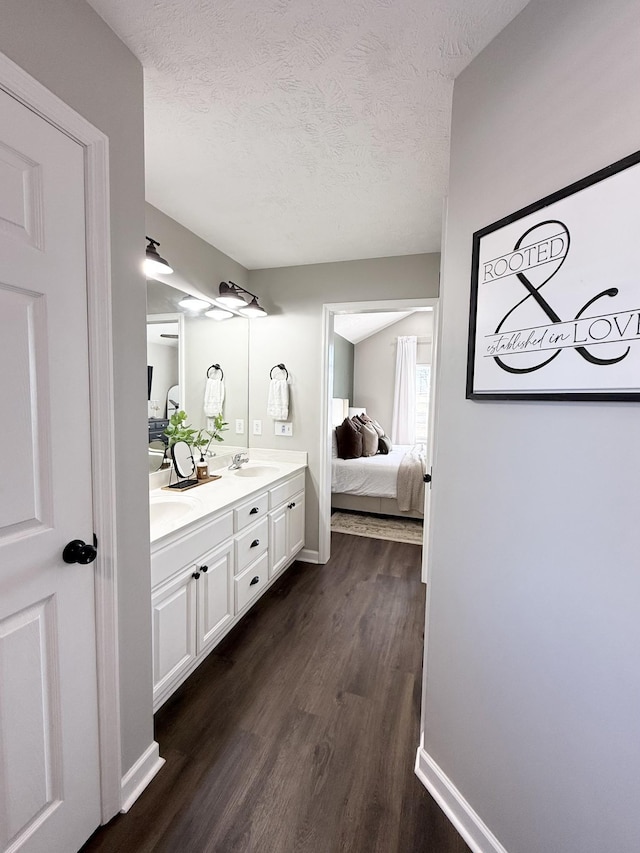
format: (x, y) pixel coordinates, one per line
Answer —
(49, 767)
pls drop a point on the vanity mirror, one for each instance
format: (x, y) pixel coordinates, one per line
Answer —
(181, 347)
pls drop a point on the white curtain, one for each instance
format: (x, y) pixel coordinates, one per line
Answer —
(403, 426)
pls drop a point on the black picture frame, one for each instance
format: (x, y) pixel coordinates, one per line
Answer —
(580, 338)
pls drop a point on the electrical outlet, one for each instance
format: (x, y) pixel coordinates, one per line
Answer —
(257, 427)
(239, 426)
(283, 428)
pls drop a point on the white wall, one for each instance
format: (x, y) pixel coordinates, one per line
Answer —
(374, 372)
(71, 51)
(532, 703)
(293, 334)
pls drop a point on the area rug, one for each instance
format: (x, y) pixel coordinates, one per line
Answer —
(378, 527)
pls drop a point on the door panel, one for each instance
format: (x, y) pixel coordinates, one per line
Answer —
(215, 596)
(49, 768)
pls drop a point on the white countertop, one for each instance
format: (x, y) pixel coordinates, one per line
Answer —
(231, 489)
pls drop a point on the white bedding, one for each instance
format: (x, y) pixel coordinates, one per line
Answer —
(375, 476)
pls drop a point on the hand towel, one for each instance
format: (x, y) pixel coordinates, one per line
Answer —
(278, 401)
(213, 397)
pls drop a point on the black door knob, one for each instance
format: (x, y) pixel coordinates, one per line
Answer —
(195, 575)
(204, 569)
(255, 543)
(427, 478)
(78, 551)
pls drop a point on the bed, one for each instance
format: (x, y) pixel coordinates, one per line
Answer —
(372, 483)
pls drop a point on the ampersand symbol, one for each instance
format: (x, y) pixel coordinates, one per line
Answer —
(528, 239)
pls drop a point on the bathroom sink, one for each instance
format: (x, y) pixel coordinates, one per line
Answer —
(255, 469)
(163, 510)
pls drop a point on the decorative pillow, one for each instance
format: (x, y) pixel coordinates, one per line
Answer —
(334, 444)
(349, 440)
(369, 440)
(377, 427)
(384, 444)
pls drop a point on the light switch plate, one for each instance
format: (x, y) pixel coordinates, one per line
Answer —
(283, 428)
(257, 427)
(239, 426)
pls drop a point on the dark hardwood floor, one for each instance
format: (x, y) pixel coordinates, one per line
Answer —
(298, 733)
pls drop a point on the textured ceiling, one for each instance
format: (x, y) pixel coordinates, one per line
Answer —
(301, 131)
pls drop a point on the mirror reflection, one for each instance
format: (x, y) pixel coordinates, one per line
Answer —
(181, 349)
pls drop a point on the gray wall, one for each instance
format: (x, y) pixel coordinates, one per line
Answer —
(203, 267)
(533, 690)
(375, 364)
(72, 52)
(293, 334)
(343, 353)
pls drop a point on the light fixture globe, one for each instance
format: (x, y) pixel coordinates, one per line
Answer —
(253, 310)
(230, 295)
(192, 303)
(218, 314)
(153, 263)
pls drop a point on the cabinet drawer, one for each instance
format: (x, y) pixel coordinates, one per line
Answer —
(251, 582)
(168, 560)
(251, 544)
(251, 511)
(286, 490)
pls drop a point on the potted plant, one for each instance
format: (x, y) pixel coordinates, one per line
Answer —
(179, 430)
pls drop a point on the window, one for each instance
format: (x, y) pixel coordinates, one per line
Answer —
(423, 391)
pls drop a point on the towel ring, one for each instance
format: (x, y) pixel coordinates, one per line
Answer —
(281, 367)
(215, 367)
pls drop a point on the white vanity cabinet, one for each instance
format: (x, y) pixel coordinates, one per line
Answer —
(206, 575)
(286, 523)
(190, 611)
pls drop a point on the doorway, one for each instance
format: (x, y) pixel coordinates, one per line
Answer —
(330, 312)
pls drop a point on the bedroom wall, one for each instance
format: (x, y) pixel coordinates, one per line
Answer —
(533, 686)
(292, 333)
(70, 50)
(343, 355)
(375, 364)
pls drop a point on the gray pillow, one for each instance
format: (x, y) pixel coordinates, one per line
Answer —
(384, 444)
(370, 440)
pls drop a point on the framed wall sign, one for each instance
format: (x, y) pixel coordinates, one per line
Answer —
(555, 295)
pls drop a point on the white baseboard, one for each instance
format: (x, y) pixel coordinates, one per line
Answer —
(138, 777)
(475, 833)
(308, 556)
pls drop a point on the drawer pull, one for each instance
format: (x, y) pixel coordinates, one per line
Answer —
(254, 510)
(196, 575)
(204, 568)
(254, 580)
(255, 543)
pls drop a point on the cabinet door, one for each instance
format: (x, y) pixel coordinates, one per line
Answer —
(215, 595)
(278, 551)
(174, 629)
(295, 526)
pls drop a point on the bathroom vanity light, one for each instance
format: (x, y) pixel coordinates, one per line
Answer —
(153, 263)
(230, 295)
(253, 310)
(239, 300)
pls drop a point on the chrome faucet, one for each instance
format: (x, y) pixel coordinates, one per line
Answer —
(238, 460)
